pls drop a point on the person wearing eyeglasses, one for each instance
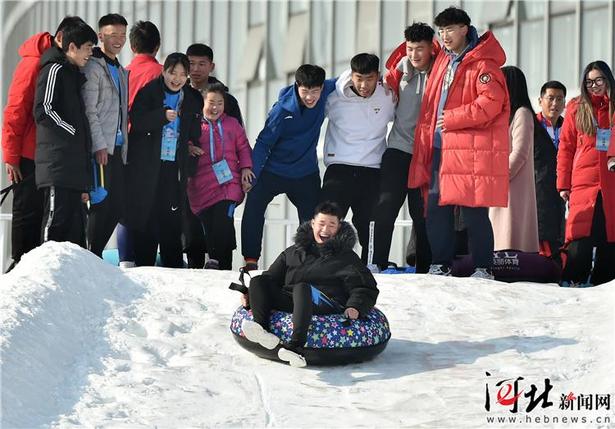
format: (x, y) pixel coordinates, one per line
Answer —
(584, 181)
(551, 208)
(461, 143)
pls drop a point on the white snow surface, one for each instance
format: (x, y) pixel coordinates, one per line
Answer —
(85, 344)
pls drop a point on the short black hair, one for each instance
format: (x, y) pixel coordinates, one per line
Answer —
(200, 50)
(217, 87)
(365, 63)
(174, 59)
(69, 21)
(144, 37)
(78, 34)
(452, 16)
(419, 32)
(112, 19)
(310, 76)
(329, 208)
(552, 84)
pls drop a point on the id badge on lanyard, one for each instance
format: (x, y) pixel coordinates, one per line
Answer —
(221, 168)
(603, 137)
(169, 143)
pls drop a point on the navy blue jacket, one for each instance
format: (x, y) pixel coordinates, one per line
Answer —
(287, 144)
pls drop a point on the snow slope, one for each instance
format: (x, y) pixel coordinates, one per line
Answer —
(84, 344)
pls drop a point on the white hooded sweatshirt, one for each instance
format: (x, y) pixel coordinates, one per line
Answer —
(357, 129)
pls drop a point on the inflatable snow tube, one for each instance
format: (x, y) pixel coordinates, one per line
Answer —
(514, 266)
(332, 339)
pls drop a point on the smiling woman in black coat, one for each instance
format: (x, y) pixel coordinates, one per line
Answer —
(319, 274)
(158, 167)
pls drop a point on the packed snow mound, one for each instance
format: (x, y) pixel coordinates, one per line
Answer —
(84, 344)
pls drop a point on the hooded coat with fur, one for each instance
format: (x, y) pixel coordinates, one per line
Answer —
(333, 267)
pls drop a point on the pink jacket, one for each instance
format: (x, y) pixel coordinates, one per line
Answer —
(203, 188)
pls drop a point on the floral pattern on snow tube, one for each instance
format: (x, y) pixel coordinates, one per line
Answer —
(332, 339)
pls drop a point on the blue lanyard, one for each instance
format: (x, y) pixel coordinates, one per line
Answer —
(212, 150)
(556, 131)
(595, 122)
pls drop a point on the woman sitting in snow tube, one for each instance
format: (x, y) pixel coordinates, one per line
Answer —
(514, 266)
(319, 275)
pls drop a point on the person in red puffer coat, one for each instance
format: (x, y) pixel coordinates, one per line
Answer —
(461, 141)
(585, 182)
(19, 141)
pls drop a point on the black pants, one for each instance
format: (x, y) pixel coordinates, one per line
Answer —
(357, 188)
(303, 193)
(193, 237)
(393, 192)
(579, 260)
(266, 297)
(27, 212)
(105, 215)
(441, 226)
(163, 225)
(218, 223)
(64, 216)
(125, 243)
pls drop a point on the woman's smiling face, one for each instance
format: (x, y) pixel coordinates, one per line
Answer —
(175, 78)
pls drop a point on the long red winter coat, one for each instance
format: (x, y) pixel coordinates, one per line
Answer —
(18, 128)
(582, 170)
(475, 143)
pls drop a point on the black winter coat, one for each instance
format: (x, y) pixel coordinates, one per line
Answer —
(63, 140)
(551, 207)
(147, 118)
(333, 267)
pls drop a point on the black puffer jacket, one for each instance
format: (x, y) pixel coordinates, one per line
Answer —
(63, 141)
(333, 267)
(551, 207)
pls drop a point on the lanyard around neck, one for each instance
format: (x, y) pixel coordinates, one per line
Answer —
(556, 131)
(212, 149)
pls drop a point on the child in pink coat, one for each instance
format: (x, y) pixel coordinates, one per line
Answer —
(224, 174)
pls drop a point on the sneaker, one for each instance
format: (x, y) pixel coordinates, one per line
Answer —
(293, 358)
(373, 268)
(127, 264)
(483, 273)
(573, 284)
(257, 334)
(251, 264)
(212, 264)
(439, 270)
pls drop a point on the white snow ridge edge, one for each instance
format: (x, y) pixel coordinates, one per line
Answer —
(85, 344)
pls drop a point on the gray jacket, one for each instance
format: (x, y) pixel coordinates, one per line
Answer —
(411, 90)
(101, 104)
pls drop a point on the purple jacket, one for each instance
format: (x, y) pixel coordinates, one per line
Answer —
(203, 188)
